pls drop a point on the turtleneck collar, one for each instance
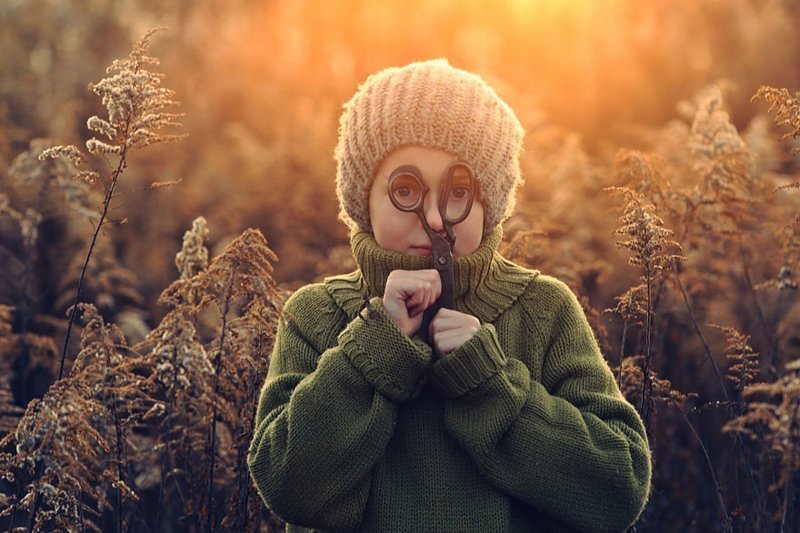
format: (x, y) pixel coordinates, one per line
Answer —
(485, 283)
(376, 263)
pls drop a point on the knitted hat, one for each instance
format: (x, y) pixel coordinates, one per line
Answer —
(434, 105)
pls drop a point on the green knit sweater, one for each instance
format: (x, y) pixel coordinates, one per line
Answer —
(522, 428)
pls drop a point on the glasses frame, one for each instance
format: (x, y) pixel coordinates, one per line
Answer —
(445, 188)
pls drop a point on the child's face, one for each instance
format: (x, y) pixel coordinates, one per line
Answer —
(403, 232)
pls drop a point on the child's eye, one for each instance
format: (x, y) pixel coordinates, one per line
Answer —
(406, 191)
(460, 192)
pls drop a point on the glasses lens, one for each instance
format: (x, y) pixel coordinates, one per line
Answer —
(459, 192)
(405, 191)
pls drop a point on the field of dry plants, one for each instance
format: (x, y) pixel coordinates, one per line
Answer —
(162, 191)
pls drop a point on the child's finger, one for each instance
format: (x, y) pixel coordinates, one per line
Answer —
(446, 342)
(450, 319)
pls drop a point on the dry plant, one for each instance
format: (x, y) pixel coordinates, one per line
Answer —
(36, 207)
(142, 424)
(772, 417)
(55, 459)
(209, 372)
(728, 203)
(9, 411)
(169, 420)
(654, 252)
(786, 108)
(134, 100)
(743, 362)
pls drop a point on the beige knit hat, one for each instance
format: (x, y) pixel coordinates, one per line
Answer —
(430, 104)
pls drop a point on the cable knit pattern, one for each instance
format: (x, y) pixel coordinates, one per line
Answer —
(430, 104)
(522, 428)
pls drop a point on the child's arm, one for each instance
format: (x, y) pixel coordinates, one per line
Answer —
(328, 408)
(570, 446)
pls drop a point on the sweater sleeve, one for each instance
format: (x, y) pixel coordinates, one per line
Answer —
(328, 408)
(571, 446)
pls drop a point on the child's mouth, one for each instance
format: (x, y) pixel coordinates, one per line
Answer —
(419, 250)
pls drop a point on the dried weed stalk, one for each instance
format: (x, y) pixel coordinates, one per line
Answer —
(789, 237)
(215, 372)
(786, 108)
(654, 252)
(135, 101)
(35, 207)
(772, 416)
(55, 458)
(9, 411)
(166, 422)
(743, 362)
(631, 384)
(98, 403)
(721, 158)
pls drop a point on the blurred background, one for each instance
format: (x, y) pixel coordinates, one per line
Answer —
(262, 84)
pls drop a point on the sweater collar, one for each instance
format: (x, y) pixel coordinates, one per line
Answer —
(486, 284)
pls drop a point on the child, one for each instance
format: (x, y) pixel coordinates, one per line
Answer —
(501, 414)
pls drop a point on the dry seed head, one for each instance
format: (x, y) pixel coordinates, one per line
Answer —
(133, 97)
(786, 108)
(650, 241)
(193, 257)
(69, 151)
(743, 363)
(642, 172)
(712, 133)
(99, 125)
(631, 306)
(97, 147)
(631, 384)
(773, 415)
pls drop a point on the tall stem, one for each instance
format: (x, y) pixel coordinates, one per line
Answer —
(709, 356)
(647, 385)
(786, 492)
(726, 521)
(706, 348)
(106, 205)
(118, 444)
(622, 352)
(768, 338)
(226, 308)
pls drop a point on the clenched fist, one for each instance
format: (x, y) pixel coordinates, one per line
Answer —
(408, 294)
(449, 329)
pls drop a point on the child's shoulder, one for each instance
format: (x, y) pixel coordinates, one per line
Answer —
(306, 296)
(539, 284)
(545, 295)
(551, 288)
(333, 294)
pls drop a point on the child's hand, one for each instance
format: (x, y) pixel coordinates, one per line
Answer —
(449, 329)
(408, 293)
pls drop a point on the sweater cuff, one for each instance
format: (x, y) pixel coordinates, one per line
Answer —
(470, 365)
(391, 361)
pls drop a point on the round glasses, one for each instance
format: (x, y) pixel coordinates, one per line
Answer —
(456, 193)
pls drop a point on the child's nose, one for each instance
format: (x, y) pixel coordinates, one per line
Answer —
(432, 215)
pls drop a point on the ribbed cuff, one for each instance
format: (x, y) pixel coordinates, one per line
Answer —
(470, 365)
(386, 356)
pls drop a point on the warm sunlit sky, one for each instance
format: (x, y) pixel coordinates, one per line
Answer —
(581, 61)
